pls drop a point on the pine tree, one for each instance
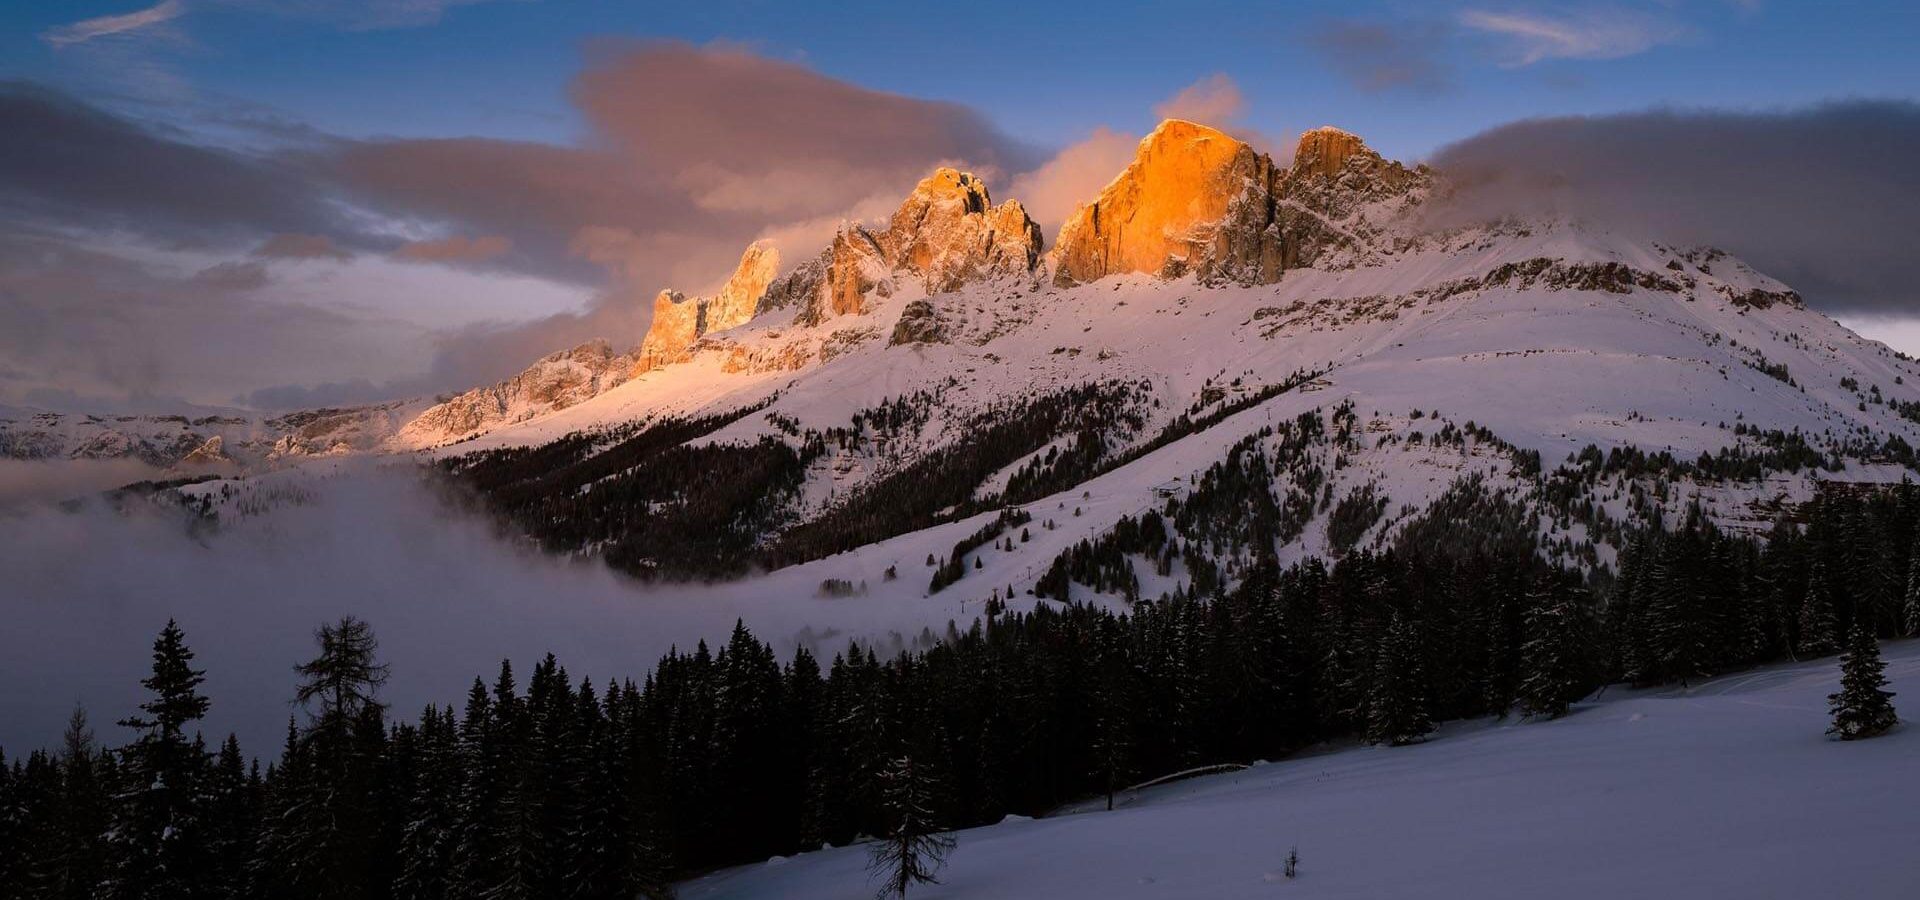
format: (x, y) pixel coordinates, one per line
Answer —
(1397, 711)
(914, 849)
(232, 821)
(1553, 661)
(1861, 709)
(327, 843)
(1910, 613)
(158, 840)
(430, 824)
(1114, 705)
(1817, 624)
(80, 824)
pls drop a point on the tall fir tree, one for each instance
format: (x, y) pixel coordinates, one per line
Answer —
(233, 821)
(430, 811)
(1818, 624)
(1910, 607)
(158, 839)
(327, 846)
(1115, 704)
(1554, 662)
(81, 824)
(1397, 709)
(1861, 709)
(914, 848)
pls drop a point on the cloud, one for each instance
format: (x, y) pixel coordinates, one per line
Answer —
(105, 26)
(301, 246)
(455, 249)
(69, 163)
(1385, 56)
(233, 276)
(1072, 177)
(688, 154)
(1820, 197)
(1214, 100)
(1527, 38)
(691, 154)
(448, 596)
(75, 318)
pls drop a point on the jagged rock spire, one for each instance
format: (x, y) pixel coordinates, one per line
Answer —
(679, 320)
(1196, 200)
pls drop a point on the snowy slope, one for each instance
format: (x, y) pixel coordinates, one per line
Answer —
(1726, 789)
(1545, 361)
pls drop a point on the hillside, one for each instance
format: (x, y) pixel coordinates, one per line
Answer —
(1723, 788)
(1599, 380)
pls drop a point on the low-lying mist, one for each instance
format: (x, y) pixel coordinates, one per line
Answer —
(85, 592)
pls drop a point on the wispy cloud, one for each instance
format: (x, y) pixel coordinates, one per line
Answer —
(106, 26)
(1530, 37)
(1385, 56)
(1214, 100)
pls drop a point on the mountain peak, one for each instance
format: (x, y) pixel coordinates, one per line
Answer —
(679, 320)
(1325, 150)
(1189, 201)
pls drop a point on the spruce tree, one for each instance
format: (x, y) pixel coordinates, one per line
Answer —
(1553, 661)
(1910, 608)
(1397, 711)
(328, 845)
(1114, 705)
(232, 821)
(430, 812)
(1817, 625)
(1861, 709)
(914, 848)
(81, 823)
(158, 839)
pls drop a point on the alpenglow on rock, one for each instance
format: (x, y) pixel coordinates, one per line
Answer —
(1197, 201)
(1193, 200)
(554, 383)
(946, 234)
(949, 233)
(679, 320)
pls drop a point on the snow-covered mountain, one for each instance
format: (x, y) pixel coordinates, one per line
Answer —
(235, 439)
(931, 387)
(1210, 313)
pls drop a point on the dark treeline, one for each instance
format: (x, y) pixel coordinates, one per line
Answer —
(580, 789)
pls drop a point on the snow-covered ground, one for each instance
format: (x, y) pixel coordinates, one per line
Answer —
(1725, 789)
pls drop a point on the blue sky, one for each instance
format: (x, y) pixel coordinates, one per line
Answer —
(1043, 72)
(306, 202)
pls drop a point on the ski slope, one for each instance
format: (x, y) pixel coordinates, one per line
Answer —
(1724, 789)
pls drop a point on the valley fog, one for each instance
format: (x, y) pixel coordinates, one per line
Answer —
(86, 591)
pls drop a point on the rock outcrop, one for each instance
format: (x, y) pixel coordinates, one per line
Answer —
(675, 326)
(554, 383)
(739, 298)
(919, 323)
(945, 235)
(1197, 201)
(1193, 200)
(948, 233)
(679, 320)
(1324, 151)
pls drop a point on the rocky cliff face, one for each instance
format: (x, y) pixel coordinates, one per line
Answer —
(679, 320)
(1196, 200)
(554, 383)
(946, 234)
(1193, 200)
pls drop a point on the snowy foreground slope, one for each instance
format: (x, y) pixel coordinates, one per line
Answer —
(1724, 789)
